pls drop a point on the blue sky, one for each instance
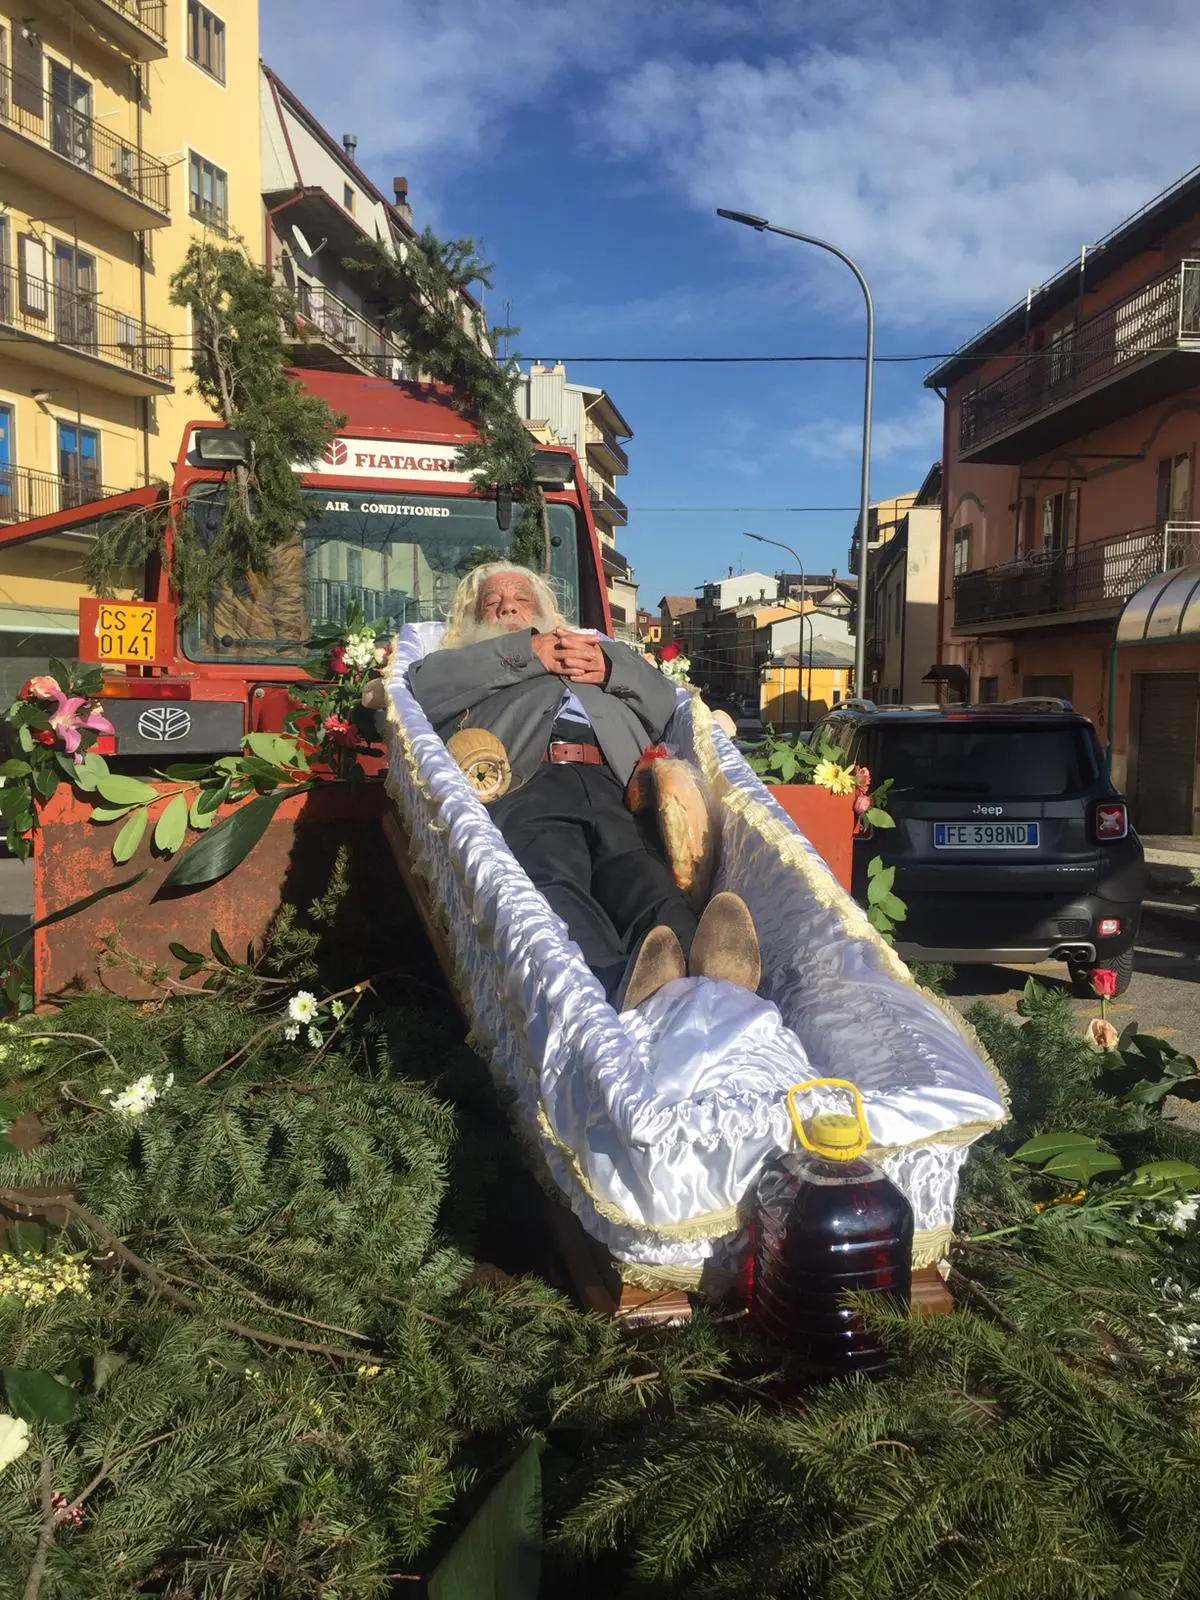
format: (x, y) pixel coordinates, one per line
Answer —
(961, 153)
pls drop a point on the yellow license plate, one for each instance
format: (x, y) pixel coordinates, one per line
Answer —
(126, 632)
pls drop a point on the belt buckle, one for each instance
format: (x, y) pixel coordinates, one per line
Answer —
(558, 761)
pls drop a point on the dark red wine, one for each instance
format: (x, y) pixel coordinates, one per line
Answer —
(822, 1229)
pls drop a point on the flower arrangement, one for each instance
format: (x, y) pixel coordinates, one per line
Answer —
(54, 722)
(329, 714)
(674, 664)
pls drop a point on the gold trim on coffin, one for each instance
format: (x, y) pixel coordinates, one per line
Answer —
(825, 890)
(929, 1246)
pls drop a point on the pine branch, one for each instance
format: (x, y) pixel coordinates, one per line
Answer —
(49, 1522)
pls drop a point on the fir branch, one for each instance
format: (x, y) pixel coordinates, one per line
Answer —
(49, 1522)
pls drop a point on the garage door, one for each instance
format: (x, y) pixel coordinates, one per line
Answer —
(1168, 706)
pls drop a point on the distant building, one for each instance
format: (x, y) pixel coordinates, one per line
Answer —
(650, 630)
(799, 689)
(1072, 429)
(585, 417)
(902, 601)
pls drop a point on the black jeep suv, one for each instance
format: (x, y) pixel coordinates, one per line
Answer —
(1010, 844)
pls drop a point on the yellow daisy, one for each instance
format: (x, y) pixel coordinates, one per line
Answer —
(838, 780)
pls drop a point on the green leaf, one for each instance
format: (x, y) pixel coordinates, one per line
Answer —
(201, 820)
(1181, 1172)
(273, 748)
(25, 739)
(892, 906)
(229, 843)
(1045, 1145)
(188, 771)
(104, 1366)
(15, 769)
(60, 674)
(27, 1238)
(875, 818)
(45, 780)
(879, 887)
(211, 800)
(171, 827)
(89, 772)
(81, 905)
(122, 791)
(788, 768)
(130, 837)
(1080, 1165)
(101, 814)
(874, 866)
(219, 950)
(182, 953)
(38, 1396)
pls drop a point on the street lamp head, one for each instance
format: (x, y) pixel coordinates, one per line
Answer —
(757, 536)
(744, 217)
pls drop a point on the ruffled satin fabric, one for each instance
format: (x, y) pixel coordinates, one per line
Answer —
(655, 1124)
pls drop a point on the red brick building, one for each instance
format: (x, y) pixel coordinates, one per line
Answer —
(1070, 445)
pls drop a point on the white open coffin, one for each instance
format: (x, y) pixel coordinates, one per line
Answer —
(655, 1124)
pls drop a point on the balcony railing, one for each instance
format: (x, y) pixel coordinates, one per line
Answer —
(1159, 317)
(611, 506)
(1097, 577)
(27, 109)
(324, 319)
(66, 317)
(149, 15)
(605, 441)
(25, 494)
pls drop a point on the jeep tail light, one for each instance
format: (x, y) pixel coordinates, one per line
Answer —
(1108, 927)
(1112, 821)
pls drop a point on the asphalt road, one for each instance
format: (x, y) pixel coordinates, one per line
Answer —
(1164, 996)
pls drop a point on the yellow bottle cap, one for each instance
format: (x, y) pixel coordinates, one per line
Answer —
(835, 1135)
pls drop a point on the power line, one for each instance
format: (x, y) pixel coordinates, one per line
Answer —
(750, 511)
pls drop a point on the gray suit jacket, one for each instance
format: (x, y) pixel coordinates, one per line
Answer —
(500, 685)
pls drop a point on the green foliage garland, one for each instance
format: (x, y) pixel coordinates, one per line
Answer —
(240, 318)
(422, 285)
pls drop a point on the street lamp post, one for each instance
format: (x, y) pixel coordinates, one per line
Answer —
(762, 539)
(761, 225)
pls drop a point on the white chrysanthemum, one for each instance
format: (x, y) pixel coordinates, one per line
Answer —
(315, 1038)
(137, 1097)
(338, 1009)
(358, 652)
(303, 1008)
(14, 1439)
(1183, 1214)
(292, 1031)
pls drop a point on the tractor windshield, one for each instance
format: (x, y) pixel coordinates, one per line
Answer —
(398, 556)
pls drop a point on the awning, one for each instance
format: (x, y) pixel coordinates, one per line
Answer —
(1164, 611)
(37, 620)
(949, 674)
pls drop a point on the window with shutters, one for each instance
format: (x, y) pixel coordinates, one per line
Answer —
(1060, 521)
(34, 290)
(29, 71)
(989, 691)
(962, 550)
(206, 40)
(208, 193)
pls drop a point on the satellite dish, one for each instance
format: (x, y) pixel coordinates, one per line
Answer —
(300, 240)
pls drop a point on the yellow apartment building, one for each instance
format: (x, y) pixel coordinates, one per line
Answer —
(127, 128)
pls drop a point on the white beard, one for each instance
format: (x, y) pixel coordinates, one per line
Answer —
(476, 632)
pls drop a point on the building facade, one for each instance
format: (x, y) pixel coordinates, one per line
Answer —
(903, 584)
(128, 128)
(586, 418)
(1070, 454)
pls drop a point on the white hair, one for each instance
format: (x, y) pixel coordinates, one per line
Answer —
(462, 623)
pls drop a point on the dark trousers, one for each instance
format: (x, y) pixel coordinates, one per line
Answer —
(599, 867)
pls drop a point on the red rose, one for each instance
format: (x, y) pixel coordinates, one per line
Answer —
(1103, 982)
(862, 803)
(339, 731)
(337, 660)
(670, 651)
(25, 692)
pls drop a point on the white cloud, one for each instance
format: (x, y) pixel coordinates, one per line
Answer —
(916, 434)
(959, 169)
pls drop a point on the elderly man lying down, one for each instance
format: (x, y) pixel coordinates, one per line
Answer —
(574, 712)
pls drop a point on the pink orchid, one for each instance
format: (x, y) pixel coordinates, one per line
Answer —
(66, 721)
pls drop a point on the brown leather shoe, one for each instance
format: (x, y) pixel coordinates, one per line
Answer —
(659, 960)
(726, 945)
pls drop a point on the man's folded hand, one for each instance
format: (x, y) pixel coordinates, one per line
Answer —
(580, 657)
